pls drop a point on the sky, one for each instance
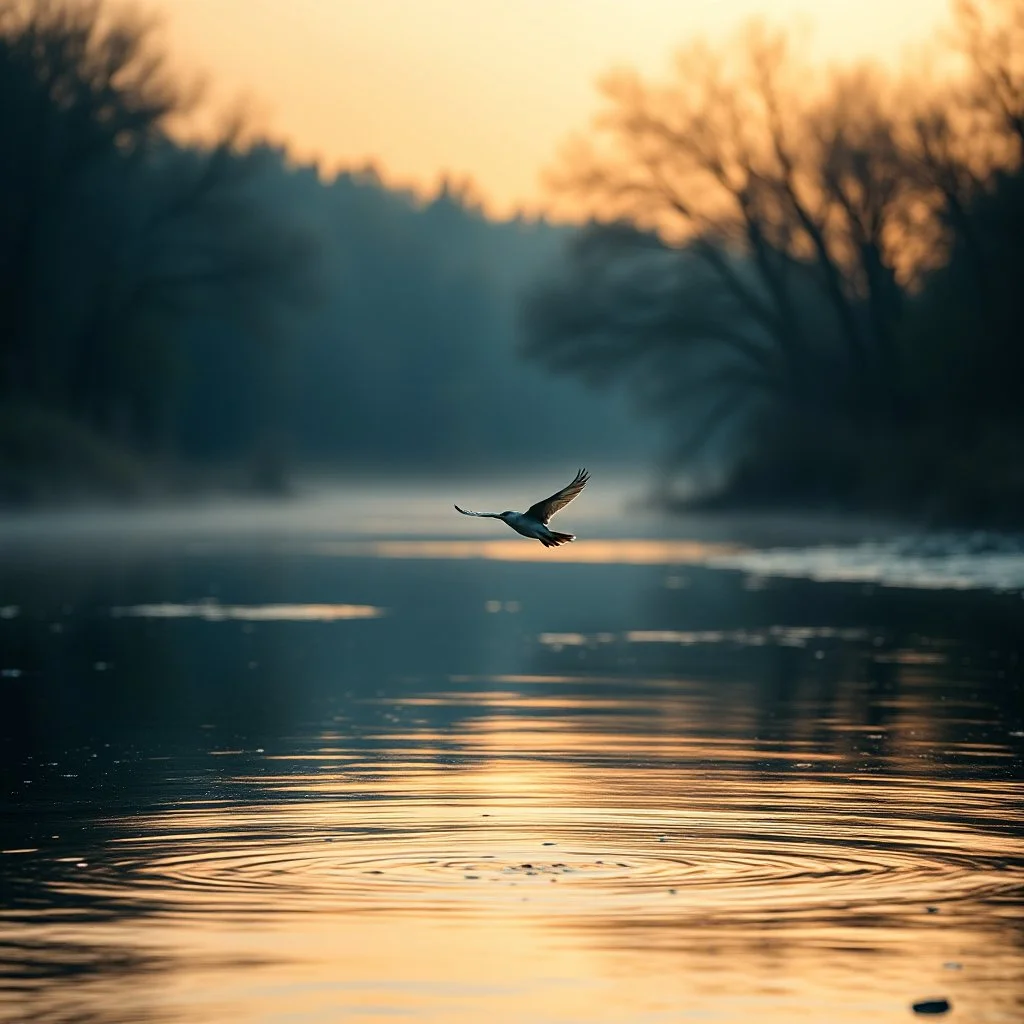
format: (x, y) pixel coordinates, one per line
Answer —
(489, 89)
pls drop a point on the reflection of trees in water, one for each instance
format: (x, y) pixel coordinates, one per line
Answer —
(773, 683)
(55, 981)
(180, 689)
(51, 978)
(191, 686)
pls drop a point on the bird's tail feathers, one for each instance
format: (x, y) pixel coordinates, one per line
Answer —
(555, 539)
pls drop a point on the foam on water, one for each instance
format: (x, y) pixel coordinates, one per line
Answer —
(934, 561)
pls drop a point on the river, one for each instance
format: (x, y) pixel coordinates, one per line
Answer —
(357, 758)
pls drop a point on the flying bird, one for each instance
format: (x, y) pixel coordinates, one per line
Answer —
(534, 521)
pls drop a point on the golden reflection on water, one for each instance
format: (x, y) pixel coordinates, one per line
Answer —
(598, 552)
(564, 855)
(212, 611)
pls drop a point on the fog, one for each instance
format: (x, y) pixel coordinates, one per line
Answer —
(782, 297)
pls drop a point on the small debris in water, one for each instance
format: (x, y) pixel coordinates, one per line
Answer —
(526, 865)
(473, 877)
(953, 965)
(662, 839)
(931, 910)
(932, 1006)
(549, 844)
(672, 892)
(375, 872)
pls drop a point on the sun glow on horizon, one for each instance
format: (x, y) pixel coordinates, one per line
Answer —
(487, 92)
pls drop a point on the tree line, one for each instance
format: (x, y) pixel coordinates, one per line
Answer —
(174, 313)
(811, 277)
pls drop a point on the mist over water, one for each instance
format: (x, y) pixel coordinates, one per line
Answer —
(285, 738)
(364, 758)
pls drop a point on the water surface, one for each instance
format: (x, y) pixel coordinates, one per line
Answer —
(321, 775)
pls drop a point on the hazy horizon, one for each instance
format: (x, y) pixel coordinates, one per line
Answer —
(343, 85)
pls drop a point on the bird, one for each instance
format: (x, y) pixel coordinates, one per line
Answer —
(534, 521)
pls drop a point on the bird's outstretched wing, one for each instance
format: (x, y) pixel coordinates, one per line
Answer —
(545, 509)
(483, 515)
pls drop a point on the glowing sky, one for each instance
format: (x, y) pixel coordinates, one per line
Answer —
(488, 88)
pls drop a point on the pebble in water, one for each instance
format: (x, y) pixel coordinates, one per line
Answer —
(932, 1006)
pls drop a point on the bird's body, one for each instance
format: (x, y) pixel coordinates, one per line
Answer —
(534, 521)
(528, 527)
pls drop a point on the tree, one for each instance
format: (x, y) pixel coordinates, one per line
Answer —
(114, 236)
(770, 252)
(790, 203)
(77, 91)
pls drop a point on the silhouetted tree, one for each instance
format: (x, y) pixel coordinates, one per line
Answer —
(759, 282)
(731, 161)
(219, 308)
(114, 237)
(76, 94)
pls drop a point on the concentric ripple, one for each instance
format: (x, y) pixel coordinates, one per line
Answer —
(707, 868)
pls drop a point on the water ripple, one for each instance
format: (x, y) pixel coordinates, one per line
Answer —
(711, 869)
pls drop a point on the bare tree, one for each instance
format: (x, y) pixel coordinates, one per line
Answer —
(990, 34)
(737, 163)
(115, 235)
(867, 198)
(78, 86)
